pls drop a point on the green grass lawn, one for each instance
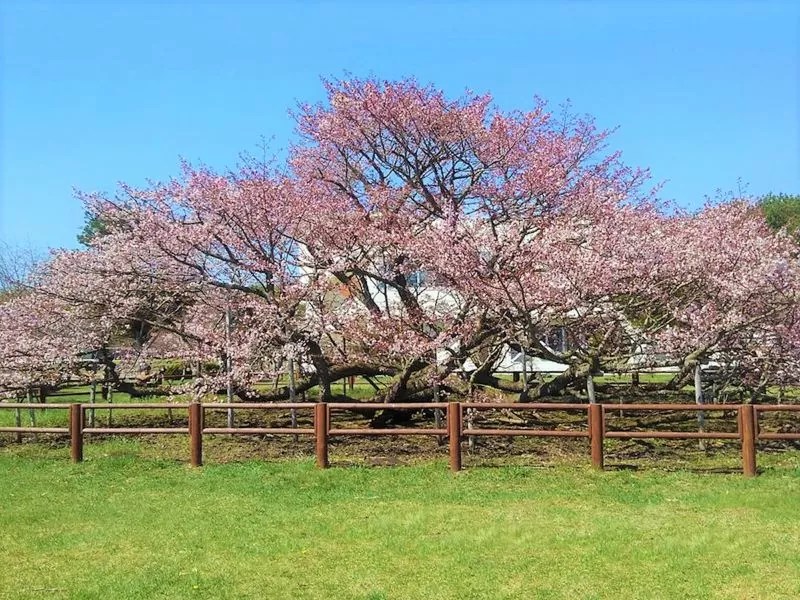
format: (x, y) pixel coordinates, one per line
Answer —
(123, 526)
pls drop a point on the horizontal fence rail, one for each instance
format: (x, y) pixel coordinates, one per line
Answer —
(31, 407)
(34, 430)
(37, 405)
(593, 428)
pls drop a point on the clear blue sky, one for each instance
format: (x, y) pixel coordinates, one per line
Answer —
(93, 93)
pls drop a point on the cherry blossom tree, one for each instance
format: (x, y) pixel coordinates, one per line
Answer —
(408, 235)
(506, 213)
(726, 286)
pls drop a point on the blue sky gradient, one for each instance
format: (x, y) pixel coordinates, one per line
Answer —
(704, 93)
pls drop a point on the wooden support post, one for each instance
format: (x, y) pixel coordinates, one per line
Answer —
(196, 433)
(344, 379)
(293, 411)
(31, 412)
(327, 419)
(590, 389)
(321, 427)
(756, 425)
(437, 412)
(18, 423)
(454, 434)
(698, 398)
(76, 432)
(747, 434)
(92, 399)
(470, 425)
(596, 433)
(228, 366)
(110, 400)
(437, 421)
(524, 373)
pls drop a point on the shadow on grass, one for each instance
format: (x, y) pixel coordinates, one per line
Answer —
(696, 470)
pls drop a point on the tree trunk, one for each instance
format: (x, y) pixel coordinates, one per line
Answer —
(323, 371)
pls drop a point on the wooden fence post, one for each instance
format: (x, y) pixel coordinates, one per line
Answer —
(596, 433)
(747, 434)
(454, 434)
(321, 427)
(76, 432)
(196, 433)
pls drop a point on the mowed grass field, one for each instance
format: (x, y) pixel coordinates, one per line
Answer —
(124, 525)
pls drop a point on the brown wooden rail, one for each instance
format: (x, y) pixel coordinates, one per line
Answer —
(34, 430)
(19, 430)
(21, 405)
(747, 432)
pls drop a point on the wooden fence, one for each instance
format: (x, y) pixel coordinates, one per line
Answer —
(595, 431)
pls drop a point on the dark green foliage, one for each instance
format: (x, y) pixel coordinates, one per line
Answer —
(782, 211)
(93, 228)
(172, 368)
